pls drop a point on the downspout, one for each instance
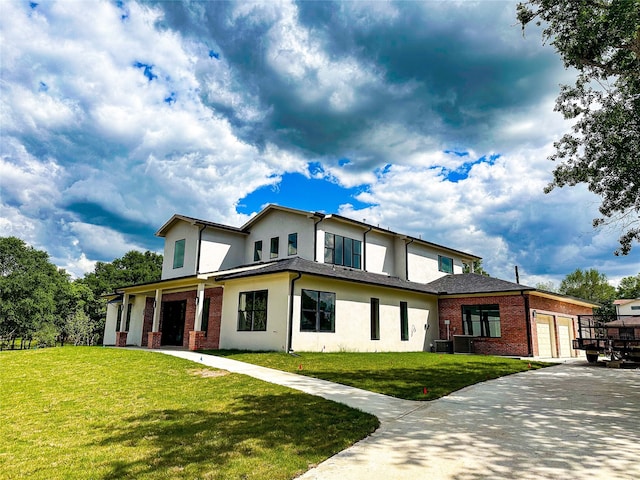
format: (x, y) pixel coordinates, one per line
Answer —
(289, 348)
(406, 259)
(202, 227)
(528, 323)
(364, 249)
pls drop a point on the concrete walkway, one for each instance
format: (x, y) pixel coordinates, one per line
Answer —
(566, 421)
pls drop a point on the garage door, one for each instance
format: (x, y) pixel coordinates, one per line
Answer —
(564, 336)
(543, 327)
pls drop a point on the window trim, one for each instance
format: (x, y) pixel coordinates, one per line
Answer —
(257, 251)
(178, 259)
(292, 244)
(318, 311)
(252, 323)
(483, 323)
(404, 321)
(375, 318)
(274, 247)
(441, 266)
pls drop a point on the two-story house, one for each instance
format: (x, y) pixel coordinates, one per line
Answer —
(307, 281)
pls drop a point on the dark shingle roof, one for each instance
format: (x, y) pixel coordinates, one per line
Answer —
(299, 265)
(468, 283)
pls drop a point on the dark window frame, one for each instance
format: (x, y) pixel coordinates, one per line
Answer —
(486, 323)
(206, 306)
(318, 314)
(375, 318)
(442, 266)
(344, 251)
(257, 250)
(274, 247)
(243, 323)
(292, 244)
(178, 253)
(404, 321)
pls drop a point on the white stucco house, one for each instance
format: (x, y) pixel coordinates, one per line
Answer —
(627, 307)
(296, 280)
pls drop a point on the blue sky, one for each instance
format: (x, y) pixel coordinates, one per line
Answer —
(430, 118)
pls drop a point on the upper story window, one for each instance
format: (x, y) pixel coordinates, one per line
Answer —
(635, 307)
(445, 264)
(481, 320)
(275, 246)
(178, 254)
(257, 251)
(292, 248)
(341, 250)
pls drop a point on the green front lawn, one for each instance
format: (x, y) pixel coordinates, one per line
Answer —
(101, 413)
(402, 375)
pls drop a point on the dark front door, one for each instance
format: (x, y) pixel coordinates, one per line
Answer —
(173, 322)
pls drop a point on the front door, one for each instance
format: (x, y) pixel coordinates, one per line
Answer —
(173, 322)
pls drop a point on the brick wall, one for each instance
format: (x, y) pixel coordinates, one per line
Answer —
(513, 327)
(212, 339)
(550, 305)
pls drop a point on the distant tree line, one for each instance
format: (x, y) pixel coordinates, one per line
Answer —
(41, 306)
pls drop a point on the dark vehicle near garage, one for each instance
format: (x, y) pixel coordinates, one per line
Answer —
(616, 336)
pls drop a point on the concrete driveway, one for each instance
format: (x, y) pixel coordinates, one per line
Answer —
(567, 421)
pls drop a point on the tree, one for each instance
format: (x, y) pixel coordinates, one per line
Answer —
(547, 286)
(30, 290)
(133, 268)
(588, 285)
(629, 287)
(477, 268)
(601, 39)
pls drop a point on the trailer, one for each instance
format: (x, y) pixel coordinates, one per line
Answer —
(616, 336)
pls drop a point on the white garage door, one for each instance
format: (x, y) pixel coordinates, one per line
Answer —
(564, 336)
(544, 338)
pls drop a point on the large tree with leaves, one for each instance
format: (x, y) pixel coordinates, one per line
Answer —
(601, 40)
(629, 287)
(589, 285)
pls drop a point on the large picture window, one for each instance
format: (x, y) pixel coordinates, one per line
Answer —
(340, 250)
(481, 320)
(252, 311)
(318, 311)
(178, 254)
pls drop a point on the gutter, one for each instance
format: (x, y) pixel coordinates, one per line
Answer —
(364, 249)
(527, 319)
(289, 348)
(406, 259)
(202, 227)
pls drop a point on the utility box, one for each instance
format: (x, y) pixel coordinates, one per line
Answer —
(443, 346)
(463, 343)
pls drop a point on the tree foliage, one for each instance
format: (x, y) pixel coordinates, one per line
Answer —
(477, 268)
(629, 287)
(601, 39)
(588, 285)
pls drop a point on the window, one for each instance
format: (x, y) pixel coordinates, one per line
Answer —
(404, 321)
(205, 315)
(178, 254)
(118, 318)
(128, 321)
(293, 244)
(626, 333)
(275, 245)
(340, 250)
(252, 311)
(635, 307)
(445, 264)
(375, 319)
(481, 320)
(318, 311)
(257, 251)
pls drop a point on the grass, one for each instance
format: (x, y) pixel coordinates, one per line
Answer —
(401, 375)
(98, 413)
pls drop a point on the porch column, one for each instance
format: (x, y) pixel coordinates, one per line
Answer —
(121, 336)
(196, 337)
(155, 334)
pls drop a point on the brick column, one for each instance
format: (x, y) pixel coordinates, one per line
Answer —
(196, 340)
(154, 339)
(121, 339)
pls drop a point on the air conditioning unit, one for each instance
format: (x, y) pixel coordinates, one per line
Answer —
(443, 346)
(463, 343)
